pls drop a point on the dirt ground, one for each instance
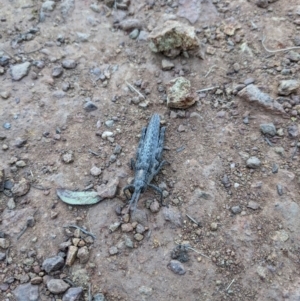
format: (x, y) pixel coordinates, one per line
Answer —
(246, 243)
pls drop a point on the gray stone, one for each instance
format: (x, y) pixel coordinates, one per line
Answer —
(95, 8)
(130, 24)
(134, 34)
(19, 71)
(167, 65)
(21, 188)
(128, 242)
(176, 267)
(2, 256)
(82, 37)
(83, 255)
(275, 168)
(57, 71)
(236, 209)
(11, 204)
(172, 215)
(286, 87)
(262, 3)
(26, 292)
(95, 171)
(113, 250)
(279, 189)
(73, 294)
(57, 286)
(117, 149)
(293, 56)
(69, 64)
(253, 162)
(138, 236)
(293, 130)
(52, 264)
(99, 297)
(253, 205)
(20, 142)
(109, 123)
(109, 190)
(66, 7)
(268, 129)
(4, 243)
(113, 227)
(90, 106)
(145, 290)
(48, 6)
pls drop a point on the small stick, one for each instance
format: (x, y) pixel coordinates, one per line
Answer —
(295, 150)
(210, 69)
(39, 187)
(197, 252)
(277, 50)
(206, 89)
(90, 296)
(94, 153)
(230, 285)
(193, 220)
(32, 51)
(82, 230)
(6, 255)
(134, 89)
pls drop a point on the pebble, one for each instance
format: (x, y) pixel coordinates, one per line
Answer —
(140, 229)
(167, 65)
(82, 37)
(21, 163)
(117, 149)
(213, 226)
(236, 209)
(20, 142)
(48, 6)
(181, 128)
(83, 255)
(249, 81)
(138, 236)
(130, 24)
(71, 255)
(11, 204)
(113, 227)
(127, 227)
(109, 123)
(172, 215)
(73, 294)
(57, 286)
(68, 157)
(279, 150)
(279, 189)
(2, 256)
(109, 190)
(107, 134)
(268, 129)
(52, 264)
(293, 131)
(113, 250)
(95, 171)
(99, 297)
(275, 168)
(7, 125)
(21, 188)
(280, 235)
(26, 292)
(286, 87)
(262, 3)
(293, 56)
(57, 71)
(89, 106)
(176, 267)
(19, 71)
(4, 60)
(128, 242)
(95, 8)
(144, 290)
(253, 205)
(134, 34)
(225, 181)
(5, 94)
(69, 64)
(154, 206)
(4, 243)
(253, 162)
(36, 280)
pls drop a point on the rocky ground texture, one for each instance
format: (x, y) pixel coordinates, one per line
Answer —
(79, 80)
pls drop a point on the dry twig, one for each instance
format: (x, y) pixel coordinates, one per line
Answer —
(135, 90)
(276, 50)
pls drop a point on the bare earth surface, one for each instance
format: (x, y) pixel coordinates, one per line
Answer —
(245, 242)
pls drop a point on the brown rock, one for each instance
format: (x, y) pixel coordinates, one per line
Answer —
(57, 286)
(109, 190)
(180, 94)
(83, 255)
(127, 227)
(172, 38)
(21, 188)
(71, 256)
(36, 280)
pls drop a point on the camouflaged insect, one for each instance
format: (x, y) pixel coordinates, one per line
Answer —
(148, 160)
